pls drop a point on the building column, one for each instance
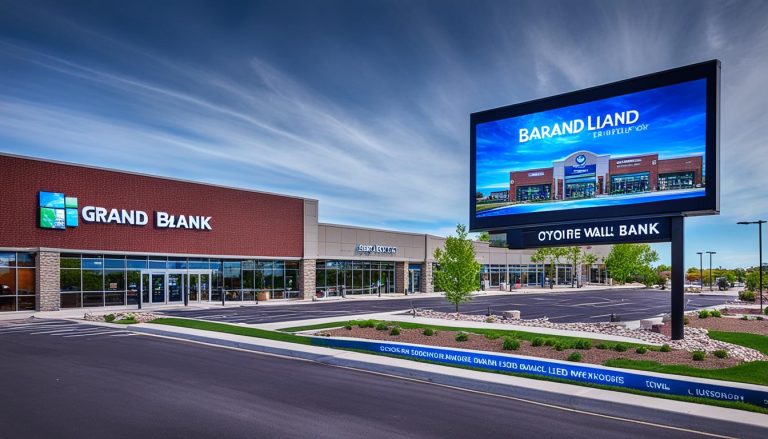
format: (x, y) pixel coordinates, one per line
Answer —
(48, 283)
(307, 278)
(401, 277)
(427, 284)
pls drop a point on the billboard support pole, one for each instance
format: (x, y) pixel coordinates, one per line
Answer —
(678, 277)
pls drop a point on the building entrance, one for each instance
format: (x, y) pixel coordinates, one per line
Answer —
(168, 287)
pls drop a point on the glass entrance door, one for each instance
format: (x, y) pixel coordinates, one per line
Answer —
(157, 283)
(194, 287)
(205, 287)
(175, 287)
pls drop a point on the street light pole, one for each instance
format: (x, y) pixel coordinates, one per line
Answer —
(701, 271)
(760, 246)
(710, 269)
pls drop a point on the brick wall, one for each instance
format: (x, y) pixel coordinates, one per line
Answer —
(427, 283)
(47, 281)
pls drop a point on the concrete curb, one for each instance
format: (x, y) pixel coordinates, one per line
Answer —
(575, 397)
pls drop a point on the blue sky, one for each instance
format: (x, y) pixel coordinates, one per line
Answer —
(363, 104)
(675, 116)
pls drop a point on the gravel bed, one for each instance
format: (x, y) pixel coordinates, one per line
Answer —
(141, 317)
(480, 342)
(741, 311)
(696, 338)
(730, 324)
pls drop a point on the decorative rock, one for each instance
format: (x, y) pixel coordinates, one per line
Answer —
(511, 315)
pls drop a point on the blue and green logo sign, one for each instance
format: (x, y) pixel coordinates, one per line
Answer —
(57, 211)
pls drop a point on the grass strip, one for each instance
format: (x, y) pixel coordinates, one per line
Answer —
(490, 333)
(754, 341)
(755, 372)
(232, 329)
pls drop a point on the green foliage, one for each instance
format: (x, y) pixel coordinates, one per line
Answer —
(559, 346)
(583, 344)
(753, 280)
(744, 317)
(720, 353)
(536, 342)
(459, 273)
(484, 237)
(686, 320)
(602, 346)
(747, 296)
(627, 262)
(492, 335)
(641, 350)
(490, 319)
(548, 256)
(394, 331)
(620, 347)
(549, 342)
(665, 348)
(715, 313)
(348, 327)
(381, 326)
(698, 355)
(765, 311)
(109, 318)
(367, 324)
(575, 356)
(510, 344)
(429, 332)
(462, 336)
(703, 314)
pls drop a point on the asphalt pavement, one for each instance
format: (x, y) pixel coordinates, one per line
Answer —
(102, 385)
(564, 307)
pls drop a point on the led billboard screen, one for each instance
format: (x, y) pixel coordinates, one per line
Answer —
(640, 147)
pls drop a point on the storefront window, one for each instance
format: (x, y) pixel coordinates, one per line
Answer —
(534, 193)
(677, 180)
(630, 183)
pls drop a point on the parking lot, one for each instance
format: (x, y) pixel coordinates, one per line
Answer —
(577, 306)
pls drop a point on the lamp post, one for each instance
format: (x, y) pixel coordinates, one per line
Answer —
(701, 271)
(760, 246)
(710, 269)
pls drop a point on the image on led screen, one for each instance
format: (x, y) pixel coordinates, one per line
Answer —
(636, 148)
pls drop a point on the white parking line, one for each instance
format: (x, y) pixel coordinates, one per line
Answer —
(111, 331)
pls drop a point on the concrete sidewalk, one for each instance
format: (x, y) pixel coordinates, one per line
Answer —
(547, 392)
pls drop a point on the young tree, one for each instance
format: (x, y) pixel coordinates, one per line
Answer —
(484, 236)
(459, 272)
(576, 256)
(548, 256)
(629, 261)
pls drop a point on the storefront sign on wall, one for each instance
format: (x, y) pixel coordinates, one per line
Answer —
(59, 212)
(369, 248)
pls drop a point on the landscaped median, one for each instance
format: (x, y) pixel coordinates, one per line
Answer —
(540, 356)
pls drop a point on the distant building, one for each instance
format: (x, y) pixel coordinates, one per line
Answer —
(499, 196)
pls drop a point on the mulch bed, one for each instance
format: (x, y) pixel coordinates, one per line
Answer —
(730, 324)
(481, 343)
(735, 311)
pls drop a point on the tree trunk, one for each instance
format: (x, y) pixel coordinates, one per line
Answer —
(457, 308)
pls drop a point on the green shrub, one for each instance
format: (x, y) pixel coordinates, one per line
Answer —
(759, 317)
(367, 324)
(602, 346)
(703, 314)
(536, 342)
(549, 342)
(583, 344)
(492, 336)
(348, 327)
(490, 319)
(620, 347)
(747, 296)
(575, 356)
(744, 317)
(381, 326)
(765, 311)
(462, 336)
(665, 348)
(686, 320)
(510, 344)
(641, 350)
(394, 331)
(429, 332)
(698, 355)
(715, 313)
(109, 318)
(720, 353)
(560, 346)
